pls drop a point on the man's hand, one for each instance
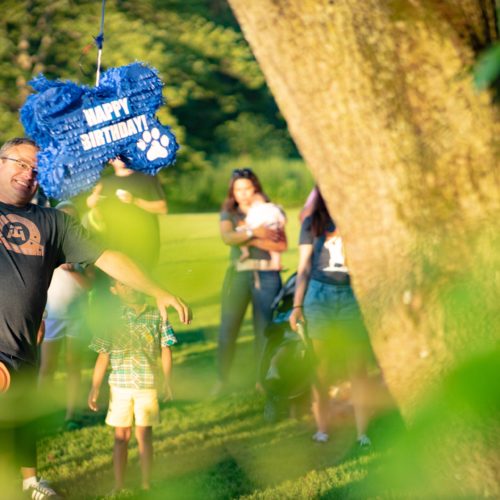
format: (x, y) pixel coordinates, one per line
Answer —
(92, 399)
(165, 300)
(124, 196)
(124, 269)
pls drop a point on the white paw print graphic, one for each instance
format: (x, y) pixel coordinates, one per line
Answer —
(156, 142)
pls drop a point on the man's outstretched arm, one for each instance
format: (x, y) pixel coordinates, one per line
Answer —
(124, 269)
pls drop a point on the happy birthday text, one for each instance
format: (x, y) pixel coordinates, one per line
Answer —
(106, 135)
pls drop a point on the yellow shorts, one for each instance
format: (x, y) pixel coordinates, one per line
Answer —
(127, 404)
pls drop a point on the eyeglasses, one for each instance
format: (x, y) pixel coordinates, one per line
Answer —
(25, 167)
(246, 173)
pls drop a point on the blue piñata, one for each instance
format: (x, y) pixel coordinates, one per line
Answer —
(78, 128)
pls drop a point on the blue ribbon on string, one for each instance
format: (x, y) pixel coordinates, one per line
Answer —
(99, 39)
(79, 128)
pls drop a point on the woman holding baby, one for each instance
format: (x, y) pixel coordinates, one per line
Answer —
(254, 229)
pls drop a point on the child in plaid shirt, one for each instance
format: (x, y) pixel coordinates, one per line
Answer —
(133, 352)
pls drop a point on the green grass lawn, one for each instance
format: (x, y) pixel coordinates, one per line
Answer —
(194, 260)
(204, 447)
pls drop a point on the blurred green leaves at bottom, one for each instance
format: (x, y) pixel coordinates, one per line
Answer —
(420, 460)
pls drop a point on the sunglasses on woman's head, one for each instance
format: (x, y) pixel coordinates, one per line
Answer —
(246, 173)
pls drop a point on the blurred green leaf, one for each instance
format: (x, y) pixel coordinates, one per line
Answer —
(487, 68)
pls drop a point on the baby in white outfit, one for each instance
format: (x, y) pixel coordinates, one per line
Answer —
(263, 213)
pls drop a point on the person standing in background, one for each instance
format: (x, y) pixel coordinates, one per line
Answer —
(124, 210)
(325, 302)
(64, 325)
(255, 279)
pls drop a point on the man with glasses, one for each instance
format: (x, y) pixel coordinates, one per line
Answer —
(33, 242)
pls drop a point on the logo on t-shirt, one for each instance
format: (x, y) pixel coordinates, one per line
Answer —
(335, 248)
(20, 235)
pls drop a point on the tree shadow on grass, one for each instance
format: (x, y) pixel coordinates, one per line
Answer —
(207, 425)
(222, 448)
(224, 479)
(238, 454)
(205, 472)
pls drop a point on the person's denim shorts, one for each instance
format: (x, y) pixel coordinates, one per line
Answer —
(58, 328)
(332, 314)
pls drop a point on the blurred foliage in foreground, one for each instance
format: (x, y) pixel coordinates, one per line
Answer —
(217, 101)
(222, 447)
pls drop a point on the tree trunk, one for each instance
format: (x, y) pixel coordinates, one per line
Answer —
(379, 99)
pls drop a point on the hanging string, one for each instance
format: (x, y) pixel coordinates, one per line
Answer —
(99, 41)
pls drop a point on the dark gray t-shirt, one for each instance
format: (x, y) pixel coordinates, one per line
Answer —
(238, 218)
(328, 261)
(128, 228)
(33, 242)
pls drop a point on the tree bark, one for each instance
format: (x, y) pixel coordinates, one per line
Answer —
(379, 99)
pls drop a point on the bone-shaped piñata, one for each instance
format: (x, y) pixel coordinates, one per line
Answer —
(78, 129)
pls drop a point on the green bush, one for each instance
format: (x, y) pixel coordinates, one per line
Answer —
(286, 181)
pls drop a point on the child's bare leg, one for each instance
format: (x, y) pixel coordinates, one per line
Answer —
(120, 453)
(359, 381)
(321, 399)
(49, 360)
(320, 407)
(245, 253)
(144, 437)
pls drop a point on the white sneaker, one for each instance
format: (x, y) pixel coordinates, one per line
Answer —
(40, 490)
(320, 437)
(364, 441)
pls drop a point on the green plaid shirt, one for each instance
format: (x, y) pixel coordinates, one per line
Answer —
(134, 350)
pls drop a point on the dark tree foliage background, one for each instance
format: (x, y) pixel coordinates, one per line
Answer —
(217, 101)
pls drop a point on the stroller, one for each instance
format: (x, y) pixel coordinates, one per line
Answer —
(287, 364)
